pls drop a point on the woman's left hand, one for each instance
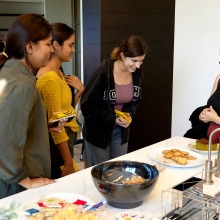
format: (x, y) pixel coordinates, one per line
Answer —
(75, 82)
(59, 127)
(123, 122)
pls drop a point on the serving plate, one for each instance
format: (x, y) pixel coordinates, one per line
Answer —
(50, 201)
(205, 152)
(157, 155)
(132, 215)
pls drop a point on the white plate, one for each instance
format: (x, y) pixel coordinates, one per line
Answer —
(69, 197)
(156, 155)
(133, 216)
(205, 152)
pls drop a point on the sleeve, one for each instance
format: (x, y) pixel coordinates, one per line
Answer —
(93, 105)
(51, 94)
(15, 110)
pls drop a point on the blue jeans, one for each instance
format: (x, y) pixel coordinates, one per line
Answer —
(95, 155)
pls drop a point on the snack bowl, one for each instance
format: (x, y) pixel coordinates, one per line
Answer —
(124, 184)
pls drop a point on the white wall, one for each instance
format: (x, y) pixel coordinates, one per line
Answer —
(196, 58)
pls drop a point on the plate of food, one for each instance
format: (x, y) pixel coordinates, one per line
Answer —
(132, 215)
(64, 115)
(177, 157)
(202, 145)
(65, 204)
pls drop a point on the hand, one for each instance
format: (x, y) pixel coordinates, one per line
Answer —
(123, 122)
(202, 115)
(209, 114)
(75, 82)
(67, 170)
(28, 183)
(59, 127)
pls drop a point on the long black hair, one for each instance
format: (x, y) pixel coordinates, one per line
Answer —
(24, 29)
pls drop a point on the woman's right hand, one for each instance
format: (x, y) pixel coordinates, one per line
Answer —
(75, 82)
(209, 114)
(122, 122)
(28, 183)
(202, 115)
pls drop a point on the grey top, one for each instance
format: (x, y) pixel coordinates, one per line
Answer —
(24, 141)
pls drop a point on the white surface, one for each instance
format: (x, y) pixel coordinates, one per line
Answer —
(196, 58)
(81, 182)
(156, 154)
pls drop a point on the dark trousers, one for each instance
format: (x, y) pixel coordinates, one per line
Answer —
(56, 159)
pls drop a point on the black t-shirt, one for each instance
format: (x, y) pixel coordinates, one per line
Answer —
(214, 100)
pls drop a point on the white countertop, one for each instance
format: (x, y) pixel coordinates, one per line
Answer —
(81, 182)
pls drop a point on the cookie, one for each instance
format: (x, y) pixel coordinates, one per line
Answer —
(189, 157)
(168, 156)
(185, 153)
(181, 161)
(175, 150)
(166, 151)
(177, 153)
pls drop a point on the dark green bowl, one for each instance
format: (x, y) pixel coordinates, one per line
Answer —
(108, 178)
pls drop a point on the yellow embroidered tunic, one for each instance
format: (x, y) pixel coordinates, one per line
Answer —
(57, 96)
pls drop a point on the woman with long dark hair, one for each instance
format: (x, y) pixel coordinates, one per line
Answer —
(24, 145)
(55, 90)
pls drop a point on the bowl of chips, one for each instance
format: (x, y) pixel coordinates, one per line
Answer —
(124, 184)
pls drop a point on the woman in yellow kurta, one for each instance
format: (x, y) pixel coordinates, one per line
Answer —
(55, 90)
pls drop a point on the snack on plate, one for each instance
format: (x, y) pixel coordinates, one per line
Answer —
(67, 211)
(180, 160)
(52, 202)
(178, 156)
(203, 144)
(62, 114)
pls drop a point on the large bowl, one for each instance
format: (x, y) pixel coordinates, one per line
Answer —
(108, 178)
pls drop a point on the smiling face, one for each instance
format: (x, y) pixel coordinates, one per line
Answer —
(132, 63)
(66, 51)
(39, 53)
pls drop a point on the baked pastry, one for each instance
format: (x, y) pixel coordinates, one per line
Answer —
(168, 155)
(180, 160)
(175, 150)
(178, 156)
(166, 151)
(189, 157)
(203, 144)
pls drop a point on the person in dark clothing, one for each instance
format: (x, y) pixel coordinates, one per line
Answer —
(211, 114)
(115, 85)
(199, 128)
